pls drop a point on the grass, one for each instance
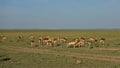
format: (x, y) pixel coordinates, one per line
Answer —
(37, 60)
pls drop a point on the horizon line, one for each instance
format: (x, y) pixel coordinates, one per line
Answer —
(68, 29)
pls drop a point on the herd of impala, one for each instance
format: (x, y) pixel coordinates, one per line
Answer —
(49, 41)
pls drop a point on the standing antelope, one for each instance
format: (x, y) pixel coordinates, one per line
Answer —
(51, 41)
(47, 41)
(32, 42)
(40, 40)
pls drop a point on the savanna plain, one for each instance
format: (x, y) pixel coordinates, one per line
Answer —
(16, 53)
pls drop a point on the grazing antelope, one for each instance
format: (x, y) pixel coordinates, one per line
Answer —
(92, 40)
(80, 42)
(55, 40)
(73, 43)
(4, 38)
(31, 37)
(63, 39)
(102, 41)
(20, 37)
(96, 43)
(89, 43)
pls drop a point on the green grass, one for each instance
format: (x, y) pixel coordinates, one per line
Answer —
(37, 60)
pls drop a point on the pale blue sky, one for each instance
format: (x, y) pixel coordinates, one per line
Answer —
(59, 14)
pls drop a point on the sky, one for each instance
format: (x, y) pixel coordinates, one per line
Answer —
(59, 14)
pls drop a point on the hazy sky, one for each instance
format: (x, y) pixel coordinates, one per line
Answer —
(59, 14)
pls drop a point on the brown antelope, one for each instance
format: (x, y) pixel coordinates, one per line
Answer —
(78, 61)
(63, 39)
(89, 43)
(45, 40)
(4, 38)
(102, 41)
(31, 37)
(80, 42)
(73, 43)
(55, 40)
(51, 41)
(92, 39)
(48, 41)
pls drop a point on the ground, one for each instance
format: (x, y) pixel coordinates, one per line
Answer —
(19, 54)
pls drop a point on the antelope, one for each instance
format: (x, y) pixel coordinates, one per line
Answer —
(89, 43)
(40, 40)
(20, 37)
(55, 41)
(4, 38)
(45, 40)
(102, 41)
(72, 43)
(80, 42)
(32, 42)
(78, 61)
(31, 37)
(92, 40)
(63, 39)
(48, 41)
(51, 41)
